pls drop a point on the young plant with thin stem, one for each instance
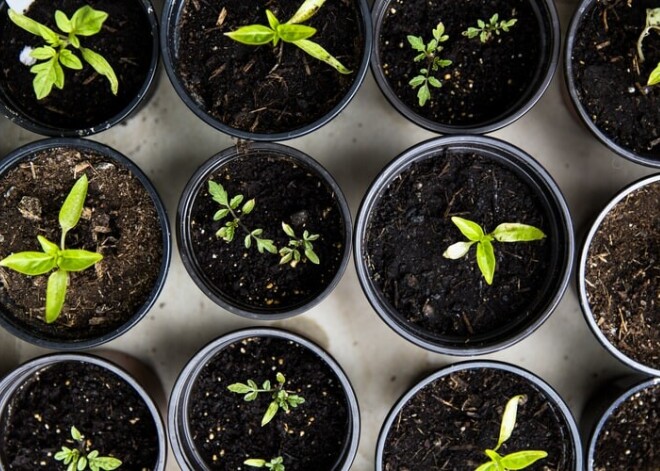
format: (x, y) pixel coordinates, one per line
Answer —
(518, 459)
(80, 457)
(428, 52)
(276, 464)
(60, 258)
(292, 31)
(291, 254)
(505, 232)
(652, 23)
(85, 22)
(485, 31)
(281, 398)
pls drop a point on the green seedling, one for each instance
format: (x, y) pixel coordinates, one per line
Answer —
(276, 464)
(85, 22)
(428, 52)
(518, 459)
(485, 30)
(60, 258)
(506, 232)
(291, 254)
(292, 32)
(80, 458)
(652, 23)
(282, 399)
(235, 208)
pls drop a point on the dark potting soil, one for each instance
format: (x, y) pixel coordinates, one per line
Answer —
(450, 422)
(284, 191)
(484, 81)
(264, 89)
(623, 276)
(109, 413)
(227, 430)
(610, 80)
(410, 228)
(630, 436)
(119, 221)
(86, 99)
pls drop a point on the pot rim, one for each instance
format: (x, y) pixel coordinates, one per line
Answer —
(179, 427)
(183, 235)
(27, 151)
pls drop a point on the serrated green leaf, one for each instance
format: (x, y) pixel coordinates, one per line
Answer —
(87, 21)
(267, 245)
(239, 388)
(471, 32)
(423, 94)
(654, 77)
(417, 81)
(306, 11)
(494, 18)
(220, 214)
(108, 463)
(248, 206)
(317, 52)
(288, 230)
(70, 60)
(417, 43)
(92, 455)
(252, 35)
(432, 46)
(457, 250)
(509, 419)
(481, 24)
(516, 232)
(43, 53)
(255, 463)
(434, 82)
(44, 79)
(469, 229)
(63, 22)
(420, 57)
(236, 201)
(291, 33)
(486, 260)
(102, 67)
(63, 454)
(270, 413)
(439, 31)
(217, 191)
(484, 36)
(311, 256)
(522, 459)
(294, 400)
(55, 294)
(73, 205)
(78, 260)
(252, 384)
(444, 62)
(30, 263)
(251, 396)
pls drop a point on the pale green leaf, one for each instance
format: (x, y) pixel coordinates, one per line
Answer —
(307, 10)
(217, 191)
(419, 57)
(75, 433)
(63, 454)
(266, 385)
(86, 21)
(75, 42)
(102, 67)
(82, 463)
(654, 78)
(59, 74)
(251, 396)
(247, 242)
(434, 82)
(93, 466)
(252, 35)
(22, 21)
(417, 81)
(29, 263)
(317, 52)
(270, 413)
(73, 204)
(43, 53)
(55, 294)
(423, 94)
(220, 214)
(469, 229)
(47, 246)
(522, 459)
(236, 201)
(287, 256)
(255, 463)
(44, 79)
(70, 60)
(472, 32)
(457, 250)
(280, 378)
(267, 245)
(417, 43)
(63, 22)
(72, 466)
(509, 419)
(494, 18)
(93, 454)
(292, 33)
(50, 36)
(495, 458)
(486, 260)
(107, 463)
(78, 260)
(311, 256)
(239, 388)
(248, 206)
(516, 232)
(272, 20)
(432, 46)
(288, 230)
(438, 32)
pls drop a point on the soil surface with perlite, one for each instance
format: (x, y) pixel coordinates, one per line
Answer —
(86, 100)
(266, 89)
(611, 80)
(109, 413)
(630, 436)
(119, 221)
(485, 80)
(622, 276)
(410, 228)
(453, 420)
(284, 191)
(227, 430)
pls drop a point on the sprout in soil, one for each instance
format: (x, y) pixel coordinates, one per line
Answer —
(232, 207)
(291, 254)
(282, 399)
(518, 459)
(276, 464)
(289, 32)
(485, 30)
(652, 23)
(65, 260)
(80, 458)
(85, 22)
(428, 52)
(506, 232)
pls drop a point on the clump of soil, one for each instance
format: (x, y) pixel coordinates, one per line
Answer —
(264, 89)
(410, 227)
(450, 422)
(284, 191)
(611, 81)
(110, 414)
(622, 276)
(86, 99)
(119, 221)
(484, 81)
(227, 430)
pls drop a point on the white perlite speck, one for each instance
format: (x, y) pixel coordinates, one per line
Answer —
(25, 56)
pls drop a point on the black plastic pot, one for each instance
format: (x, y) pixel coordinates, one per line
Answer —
(546, 13)
(25, 153)
(601, 409)
(581, 279)
(563, 414)
(13, 382)
(170, 40)
(198, 182)
(10, 108)
(561, 239)
(584, 7)
(180, 434)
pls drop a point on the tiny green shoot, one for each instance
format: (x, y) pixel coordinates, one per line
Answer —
(291, 254)
(80, 458)
(518, 459)
(652, 23)
(485, 30)
(60, 258)
(505, 232)
(292, 31)
(281, 398)
(428, 52)
(276, 464)
(55, 53)
(235, 208)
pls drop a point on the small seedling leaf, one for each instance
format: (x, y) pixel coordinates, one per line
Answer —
(102, 67)
(78, 260)
(272, 20)
(44, 79)
(248, 206)
(654, 78)
(293, 33)
(236, 201)
(239, 388)
(247, 241)
(469, 229)
(47, 246)
(73, 204)
(311, 256)
(24, 22)
(70, 60)
(86, 21)
(317, 52)
(417, 81)
(267, 245)
(63, 22)
(92, 455)
(457, 250)
(43, 53)
(255, 463)
(220, 214)
(82, 463)
(516, 232)
(266, 385)
(75, 434)
(107, 463)
(218, 193)
(55, 294)
(30, 263)
(522, 459)
(509, 419)
(270, 413)
(423, 94)
(252, 35)
(306, 11)
(417, 43)
(486, 260)
(434, 82)
(280, 378)
(251, 396)
(288, 230)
